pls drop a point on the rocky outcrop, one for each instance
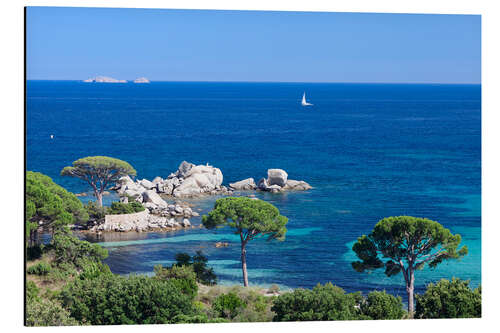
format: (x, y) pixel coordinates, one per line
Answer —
(196, 180)
(263, 185)
(187, 182)
(277, 181)
(244, 185)
(140, 222)
(276, 177)
(150, 196)
(104, 79)
(296, 185)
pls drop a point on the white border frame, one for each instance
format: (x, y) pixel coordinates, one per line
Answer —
(12, 124)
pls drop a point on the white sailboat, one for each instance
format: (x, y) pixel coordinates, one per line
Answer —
(304, 102)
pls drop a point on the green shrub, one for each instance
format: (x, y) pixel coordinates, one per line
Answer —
(182, 276)
(327, 302)
(31, 291)
(114, 300)
(41, 268)
(62, 272)
(70, 250)
(380, 305)
(198, 319)
(125, 208)
(228, 305)
(94, 211)
(449, 299)
(44, 312)
(48, 202)
(204, 274)
(92, 270)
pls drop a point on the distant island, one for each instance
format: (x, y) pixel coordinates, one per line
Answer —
(142, 80)
(105, 79)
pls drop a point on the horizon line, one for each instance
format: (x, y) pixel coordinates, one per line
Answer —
(243, 81)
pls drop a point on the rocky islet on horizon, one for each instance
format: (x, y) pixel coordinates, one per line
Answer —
(141, 80)
(107, 79)
(104, 79)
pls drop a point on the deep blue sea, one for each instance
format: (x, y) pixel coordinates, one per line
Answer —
(369, 151)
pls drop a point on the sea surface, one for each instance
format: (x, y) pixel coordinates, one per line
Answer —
(369, 151)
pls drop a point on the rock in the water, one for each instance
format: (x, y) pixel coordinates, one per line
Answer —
(179, 209)
(196, 180)
(244, 185)
(188, 181)
(296, 185)
(185, 223)
(152, 196)
(274, 188)
(262, 184)
(184, 168)
(276, 177)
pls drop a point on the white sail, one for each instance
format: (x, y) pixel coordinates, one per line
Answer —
(304, 102)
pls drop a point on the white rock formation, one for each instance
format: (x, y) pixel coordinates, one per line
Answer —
(277, 181)
(244, 185)
(296, 185)
(276, 177)
(154, 198)
(141, 221)
(141, 80)
(104, 79)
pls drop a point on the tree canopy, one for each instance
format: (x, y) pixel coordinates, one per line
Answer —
(204, 274)
(406, 244)
(449, 299)
(379, 305)
(99, 172)
(116, 300)
(250, 218)
(50, 204)
(323, 302)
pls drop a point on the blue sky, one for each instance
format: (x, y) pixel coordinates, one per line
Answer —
(195, 45)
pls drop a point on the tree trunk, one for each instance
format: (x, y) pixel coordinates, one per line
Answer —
(244, 263)
(410, 284)
(98, 196)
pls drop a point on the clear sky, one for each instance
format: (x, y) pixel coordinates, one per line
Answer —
(195, 45)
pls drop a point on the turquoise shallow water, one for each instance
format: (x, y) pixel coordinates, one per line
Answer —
(369, 151)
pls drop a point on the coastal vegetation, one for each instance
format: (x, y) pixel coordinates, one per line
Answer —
(49, 206)
(69, 284)
(250, 218)
(99, 172)
(97, 213)
(329, 302)
(198, 262)
(80, 290)
(407, 244)
(449, 299)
